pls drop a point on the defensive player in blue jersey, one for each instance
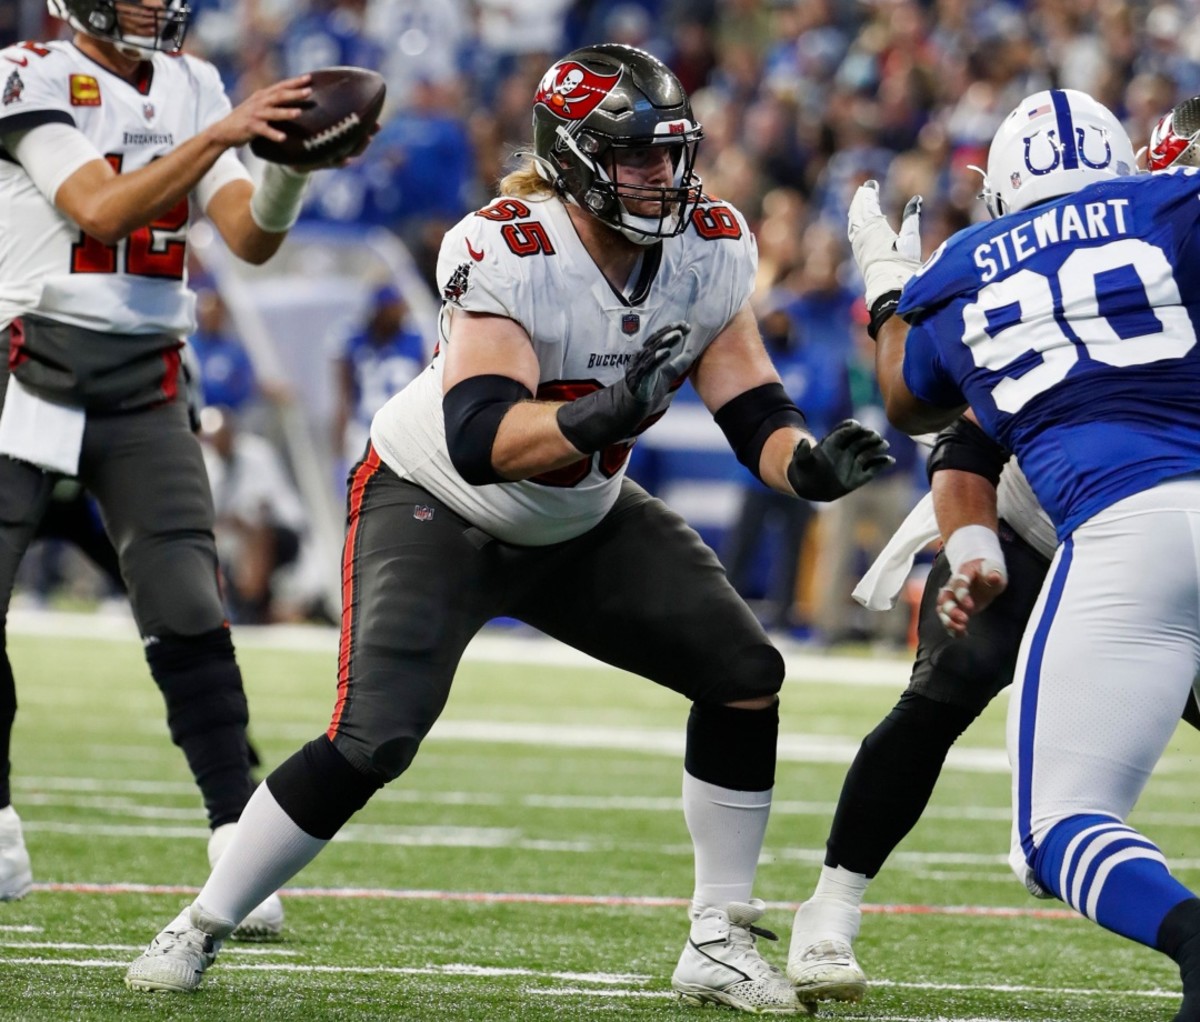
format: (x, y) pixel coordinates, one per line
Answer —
(1068, 324)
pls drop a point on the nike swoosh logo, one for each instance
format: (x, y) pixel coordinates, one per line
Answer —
(19, 61)
(477, 256)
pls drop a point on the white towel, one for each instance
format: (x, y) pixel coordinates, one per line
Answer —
(40, 432)
(883, 581)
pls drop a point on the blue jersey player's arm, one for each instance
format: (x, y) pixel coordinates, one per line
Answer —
(904, 409)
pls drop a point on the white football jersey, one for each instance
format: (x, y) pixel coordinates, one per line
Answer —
(48, 265)
(1017, 505)
(522, 259)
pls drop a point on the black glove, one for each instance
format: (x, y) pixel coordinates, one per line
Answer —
(603, 417)
(848, 456)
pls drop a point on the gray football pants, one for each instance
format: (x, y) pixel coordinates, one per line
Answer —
(146, 471)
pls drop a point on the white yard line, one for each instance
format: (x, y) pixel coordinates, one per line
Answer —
(495, 645)
(603, 982)
(537, 898)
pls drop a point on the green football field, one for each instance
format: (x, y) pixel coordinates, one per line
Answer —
(534, 863)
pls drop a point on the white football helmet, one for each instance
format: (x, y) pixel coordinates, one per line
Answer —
(1053, 144)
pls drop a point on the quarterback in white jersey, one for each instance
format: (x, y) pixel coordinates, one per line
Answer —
(49, 264)
(574, 306)
(106, 142)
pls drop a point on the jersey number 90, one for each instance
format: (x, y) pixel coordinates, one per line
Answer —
(1063, 315)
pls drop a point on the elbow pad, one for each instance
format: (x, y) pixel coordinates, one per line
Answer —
(472, 411)
(964, 446)
(751, 417)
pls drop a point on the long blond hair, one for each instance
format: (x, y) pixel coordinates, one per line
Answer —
(527, 182)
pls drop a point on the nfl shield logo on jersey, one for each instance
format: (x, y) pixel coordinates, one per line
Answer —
(630, 323)
(423, 513)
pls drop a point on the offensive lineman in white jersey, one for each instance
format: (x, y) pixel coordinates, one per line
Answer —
(494, 485)
(108, 142)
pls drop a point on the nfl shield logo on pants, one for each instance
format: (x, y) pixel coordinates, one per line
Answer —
(630, 323)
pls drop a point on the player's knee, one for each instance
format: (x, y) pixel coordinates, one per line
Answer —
(752, 678)
(391, 758)
(200, 682)
(320, 789)
(173, 585)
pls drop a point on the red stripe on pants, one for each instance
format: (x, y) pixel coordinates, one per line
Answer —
(358, 488)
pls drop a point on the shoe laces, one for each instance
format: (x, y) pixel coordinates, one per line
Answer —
(743, 939)
(190, 939)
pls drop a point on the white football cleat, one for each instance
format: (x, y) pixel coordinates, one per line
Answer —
(821, 962)
(176, 959)
(721, 965)
(827, 971)
(264, 922)
(16, 875)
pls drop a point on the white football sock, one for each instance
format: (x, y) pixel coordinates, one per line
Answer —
(833, 912)
(727, 829)
(841, 884)
(267, 849)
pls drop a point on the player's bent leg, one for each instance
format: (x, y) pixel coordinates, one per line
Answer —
(884, 794)
(897, 767)
(289, 819)
(1095, 863)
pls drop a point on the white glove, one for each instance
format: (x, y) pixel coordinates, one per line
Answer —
(885, 259)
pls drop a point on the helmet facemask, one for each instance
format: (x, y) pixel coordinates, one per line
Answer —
(135, 28)
(601, 116)
(598, 173)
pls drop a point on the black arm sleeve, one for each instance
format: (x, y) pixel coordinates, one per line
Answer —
(753, 416)
(964, 446)
(472, 410)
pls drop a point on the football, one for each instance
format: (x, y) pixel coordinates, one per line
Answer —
(341, 112)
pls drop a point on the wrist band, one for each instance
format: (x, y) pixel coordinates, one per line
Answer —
(883, 310)
(278, 196)
(973, 542)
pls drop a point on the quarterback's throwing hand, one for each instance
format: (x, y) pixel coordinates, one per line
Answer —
(885, 259)
(846, 458)
(605, 416)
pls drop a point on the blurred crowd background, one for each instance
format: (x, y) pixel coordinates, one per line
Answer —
(801, 101)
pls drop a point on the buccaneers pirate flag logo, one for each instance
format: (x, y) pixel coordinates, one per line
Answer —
(572, 92)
